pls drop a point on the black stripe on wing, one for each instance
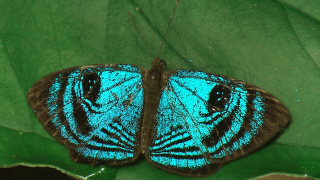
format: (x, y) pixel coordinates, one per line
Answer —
(272, 120)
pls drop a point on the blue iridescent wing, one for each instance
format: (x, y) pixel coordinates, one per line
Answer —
(95, 110)
(205, 120)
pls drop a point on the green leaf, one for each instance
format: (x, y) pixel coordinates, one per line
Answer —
(272, 44)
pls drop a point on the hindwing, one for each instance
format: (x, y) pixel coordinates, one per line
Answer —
(205, 120)
(95, 110)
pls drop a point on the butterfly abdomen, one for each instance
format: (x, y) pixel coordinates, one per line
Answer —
(153, 82)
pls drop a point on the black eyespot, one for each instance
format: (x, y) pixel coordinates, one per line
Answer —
(218, 98)
(91, 86)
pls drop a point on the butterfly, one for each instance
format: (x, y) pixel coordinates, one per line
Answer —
(186, 122)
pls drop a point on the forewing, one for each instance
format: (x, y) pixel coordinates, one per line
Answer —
(204, 120)
(96, 111)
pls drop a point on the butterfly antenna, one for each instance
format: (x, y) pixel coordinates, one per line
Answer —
(167, 28)
(140, 34)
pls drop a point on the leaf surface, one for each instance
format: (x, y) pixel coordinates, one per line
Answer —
(272, 44)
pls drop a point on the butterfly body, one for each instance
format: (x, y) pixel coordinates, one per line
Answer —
(186, 122)
(154, 81)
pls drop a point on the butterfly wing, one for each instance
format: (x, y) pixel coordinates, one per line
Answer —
(95, 110)
(205, 120)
